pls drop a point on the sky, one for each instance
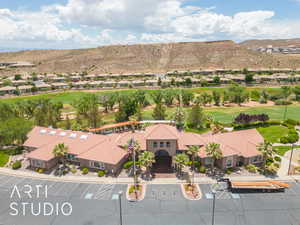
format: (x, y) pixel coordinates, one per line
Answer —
(64, 24)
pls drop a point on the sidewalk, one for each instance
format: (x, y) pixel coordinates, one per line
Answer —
(110, 180)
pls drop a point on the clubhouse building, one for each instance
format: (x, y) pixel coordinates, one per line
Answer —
(106, 152)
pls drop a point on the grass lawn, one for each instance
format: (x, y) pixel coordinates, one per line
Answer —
(281, 150)
(273, 133)
(3, 159)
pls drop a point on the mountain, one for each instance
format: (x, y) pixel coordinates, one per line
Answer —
(154, 58)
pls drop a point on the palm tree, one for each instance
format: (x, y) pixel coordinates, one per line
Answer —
(146, 159)
(267, 151)
(181, 160)
(133, 148)
(193, 152)
(213, 150)
(60, 151)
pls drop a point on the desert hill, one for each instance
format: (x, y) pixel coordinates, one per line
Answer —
(152, 58)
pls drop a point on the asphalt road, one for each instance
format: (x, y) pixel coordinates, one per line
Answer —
(163, 205)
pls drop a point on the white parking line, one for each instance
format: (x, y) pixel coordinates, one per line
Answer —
(3, 184)
(105, 192)
(85, 191)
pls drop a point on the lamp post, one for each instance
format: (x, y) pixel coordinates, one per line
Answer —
(120, 206)
(291, 159)
(214, 206)
(132, 148)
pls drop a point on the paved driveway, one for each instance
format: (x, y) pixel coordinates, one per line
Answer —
(163, 205)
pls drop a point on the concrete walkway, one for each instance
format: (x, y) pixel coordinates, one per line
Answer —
(110, 180)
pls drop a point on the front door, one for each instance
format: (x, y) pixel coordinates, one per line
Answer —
(163, 162)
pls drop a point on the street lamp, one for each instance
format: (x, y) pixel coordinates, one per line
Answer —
(291, 159)
(214, 192)
(131, 148)
(120, 206)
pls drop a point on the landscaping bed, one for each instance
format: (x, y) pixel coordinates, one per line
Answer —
(191, 191)
(136, 195)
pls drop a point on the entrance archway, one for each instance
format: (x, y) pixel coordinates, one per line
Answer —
(163, 162)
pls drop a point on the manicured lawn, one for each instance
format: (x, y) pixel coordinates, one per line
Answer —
(281, 150)
(273, 133)
(3, 159)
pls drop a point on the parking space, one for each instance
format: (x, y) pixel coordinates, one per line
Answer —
(98, 191)
(163, 192)
(221, 193)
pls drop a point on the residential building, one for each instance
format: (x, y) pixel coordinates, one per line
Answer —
(165, 141)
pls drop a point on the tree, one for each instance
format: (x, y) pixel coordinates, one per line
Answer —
(213, 150)
(14, 130)
(296, 91)
(216, 97)
(87, 107)
(181, 160)
(188, 82)
(169, 97)
(159, 112)
(204, 99)
(196, 118)
(267, 151)
(179, 118)
(286, 91)
(146, 159)
(249, 78)
(264, 96)
(237, 94)
(216, 79)
(68, 123)
(60, 151)
(187, 97)
(193, 151)
(157, 97)
(140, 97)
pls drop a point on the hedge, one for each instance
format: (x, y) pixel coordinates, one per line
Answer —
(16, 165)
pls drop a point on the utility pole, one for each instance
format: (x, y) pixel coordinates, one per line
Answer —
(214, 206)
(120, 207)
(291, 157)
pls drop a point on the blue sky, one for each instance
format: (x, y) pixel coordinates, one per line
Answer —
(91, 23)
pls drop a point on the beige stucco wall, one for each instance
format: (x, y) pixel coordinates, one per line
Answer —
(171, 150)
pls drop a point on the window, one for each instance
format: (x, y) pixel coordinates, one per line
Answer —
(97, 165)
(161, 144)
(72, 157)
(229, 163)
(155, 144)
(37, 163)
(168, 144)
(208, 161)
(255, 159)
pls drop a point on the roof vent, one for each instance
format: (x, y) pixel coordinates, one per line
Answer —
(52, 132)
(62, 134)
(43, 131)
(73, 135)
(83, 137)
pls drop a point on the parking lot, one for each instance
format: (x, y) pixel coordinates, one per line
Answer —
(163, 204)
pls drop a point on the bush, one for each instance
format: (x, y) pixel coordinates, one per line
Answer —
(282, 102)
(297, 168)
(40, 170)
(251, 168)
(132, 188)
(202, 169)
(229, 171)
(16, 165)
(128, 165)
(73, 169)
(269, 161)
(101, 173)
(85, 171)
(14, 151)
(277, 159)
(292, 122)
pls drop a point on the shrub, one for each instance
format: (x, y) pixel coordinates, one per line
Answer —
(73, 169)
(229, 171)
(40, 170)
(14, 151)
(297, 168)
(292, 122)
(85, 171)
(282, 102)
(101, 173)
(277, 159)
(202, 169)
(127, 165)
(16, 165)
(132, 188)
(251, 168)
(269, 161)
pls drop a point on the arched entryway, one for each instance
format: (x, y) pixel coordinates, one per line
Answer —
(163, 162)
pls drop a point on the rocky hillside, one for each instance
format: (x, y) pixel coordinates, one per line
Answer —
(151, 58)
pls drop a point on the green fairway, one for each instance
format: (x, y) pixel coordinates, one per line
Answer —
(281, 150)
(3, 159)
(273, 133)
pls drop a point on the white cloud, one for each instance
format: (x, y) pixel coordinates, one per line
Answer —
(87, 23)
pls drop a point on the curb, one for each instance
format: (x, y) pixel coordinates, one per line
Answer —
(144, 188)
(191, 199)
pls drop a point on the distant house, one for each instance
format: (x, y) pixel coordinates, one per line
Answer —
(7, 90)
(41, 86)
(25, 88)
(107, 152)
(60, 85)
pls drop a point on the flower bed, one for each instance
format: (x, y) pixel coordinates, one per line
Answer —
(191, 191)
(137, 194)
